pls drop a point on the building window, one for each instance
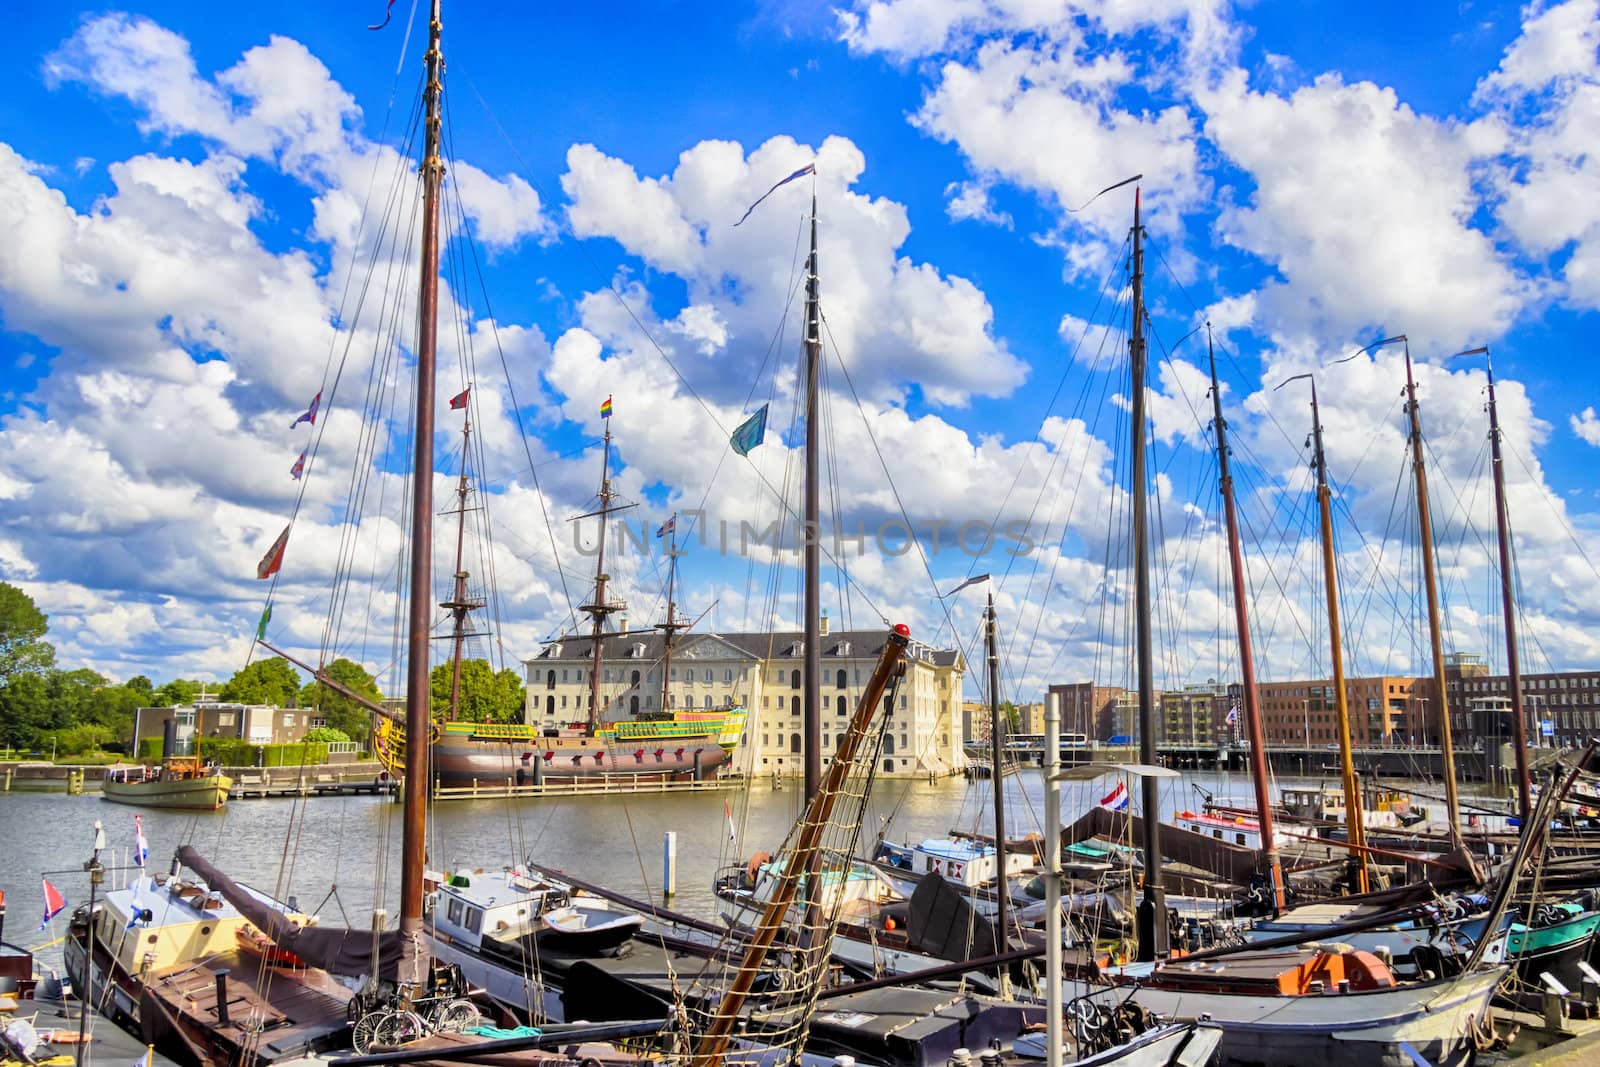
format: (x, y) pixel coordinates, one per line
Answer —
(794, 679)
(550, 705)
(727, 675)
(549, 679)
(840, 704)
(708, 702)
(635, 680)
(842, 682)
(633, 704)
(794, 744)
(794, 705)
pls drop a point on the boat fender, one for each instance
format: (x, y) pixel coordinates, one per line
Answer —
(548, 756)
(660, 752)
(599, 754)
(679, 753)
(638, 754)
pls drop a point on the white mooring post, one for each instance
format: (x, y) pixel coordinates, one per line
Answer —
(669, 864)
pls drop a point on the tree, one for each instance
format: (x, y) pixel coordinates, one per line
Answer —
(140, 684)
(23, 649)
(325, 733)
(486, 696)
(340, 711)
(176, 692)
(26, 715)
(266, 681)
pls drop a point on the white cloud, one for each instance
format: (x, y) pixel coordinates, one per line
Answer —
(1587, 426)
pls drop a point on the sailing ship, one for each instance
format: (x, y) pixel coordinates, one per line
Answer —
(676, 744)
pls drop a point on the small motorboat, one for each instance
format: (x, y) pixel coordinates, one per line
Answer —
(587, 924)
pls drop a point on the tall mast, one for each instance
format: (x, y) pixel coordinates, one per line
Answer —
(1247, 663)
(413, 834)
(1502, 522)
(670, 628)
(1153, 940)
(811, 719)
(600, 608)
(997, 779)
(1447, 748)
(1355, 827)
(460, 604)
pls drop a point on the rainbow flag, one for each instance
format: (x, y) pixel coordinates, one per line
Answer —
(605, 408)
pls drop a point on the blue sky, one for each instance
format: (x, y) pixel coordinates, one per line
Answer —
(183, 189)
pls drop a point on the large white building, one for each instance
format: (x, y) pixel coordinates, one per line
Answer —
(762, 672)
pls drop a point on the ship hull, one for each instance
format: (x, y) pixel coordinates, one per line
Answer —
(185, 794)
(464, 762)
(1364, 1029)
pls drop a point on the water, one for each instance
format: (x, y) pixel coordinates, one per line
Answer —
(305, 848)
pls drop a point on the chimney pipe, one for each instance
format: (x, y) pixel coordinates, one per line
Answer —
(822, 625)
(622, 623)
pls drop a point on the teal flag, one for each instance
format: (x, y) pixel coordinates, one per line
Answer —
(261, 627)
(750, 432)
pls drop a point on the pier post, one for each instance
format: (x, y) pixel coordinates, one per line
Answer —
(669, 864)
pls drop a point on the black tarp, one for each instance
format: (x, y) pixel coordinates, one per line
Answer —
(336, 950)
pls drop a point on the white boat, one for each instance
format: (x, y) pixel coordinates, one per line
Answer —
(588, 924)
(1338, 1025)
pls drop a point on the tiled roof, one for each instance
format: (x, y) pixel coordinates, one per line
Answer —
(648, 645)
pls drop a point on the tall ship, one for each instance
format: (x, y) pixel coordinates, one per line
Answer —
(616, 738)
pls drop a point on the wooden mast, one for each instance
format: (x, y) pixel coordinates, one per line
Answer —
(805, 859)
(1447, 748)
(1152, 921)
(1247, 663)
(601, 607)
(413, 835)
(811, 695)
(997, 780)
(1355, 826)
(670, 628)
(1502, 522)
(460, 604)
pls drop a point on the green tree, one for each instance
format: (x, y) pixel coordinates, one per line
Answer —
(486, 696)
(338, 710)
(266, 681)
(142, 685)
(23, 649)
(325, 733)
(1012, 715)
(178, 691)
(26, 715)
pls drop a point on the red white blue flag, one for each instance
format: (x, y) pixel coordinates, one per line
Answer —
(311, 412)
(299, 467)
(459, 401)
(1117, 799)
(141, 847)
(54, 903)
(667, 527)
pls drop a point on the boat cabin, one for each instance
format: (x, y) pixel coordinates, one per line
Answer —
(504, 905)
(1232, 829)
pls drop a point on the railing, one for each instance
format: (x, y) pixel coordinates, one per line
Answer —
(600, 784)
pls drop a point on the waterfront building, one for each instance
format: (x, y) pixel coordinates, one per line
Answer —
(1383, 712)
(1561, 708)
(761, 672)
(259, 724)
(1189, 715)
(1088, 709)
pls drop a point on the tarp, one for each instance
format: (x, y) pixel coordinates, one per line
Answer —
(333, 949)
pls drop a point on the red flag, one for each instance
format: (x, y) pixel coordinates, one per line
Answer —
(274, 558)
(459, 401)
(54, 903)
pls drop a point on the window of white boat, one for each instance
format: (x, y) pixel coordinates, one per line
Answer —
(453, 912)
(1240, 839)
(474, 919)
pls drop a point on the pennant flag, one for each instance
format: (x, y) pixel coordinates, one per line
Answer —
(54, 902)
(261, 627)
(750, 432)
(141, 847)
(974, 580)
(459, 401)
(274, 558)
(388, 13)
(311, 412)
(1233, 715)
(299, 467)
(668, 527)
(727, 809)
(1117, 799)
(809, 168)
(605, 408)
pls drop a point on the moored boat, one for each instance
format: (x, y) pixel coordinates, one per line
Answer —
(181, 782)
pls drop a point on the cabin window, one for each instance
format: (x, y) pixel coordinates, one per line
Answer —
(453, 912)
(474, 919)
(1240, 840)
(1217, 834)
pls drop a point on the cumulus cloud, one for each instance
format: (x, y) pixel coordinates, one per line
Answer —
(1587, 426)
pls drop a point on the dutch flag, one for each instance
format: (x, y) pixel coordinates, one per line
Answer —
(1117, 799)
(141, 847)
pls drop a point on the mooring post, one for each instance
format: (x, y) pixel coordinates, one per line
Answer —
(669, 864)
